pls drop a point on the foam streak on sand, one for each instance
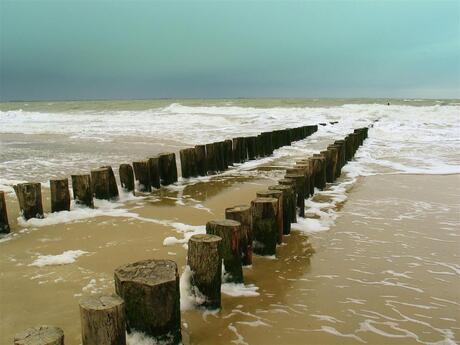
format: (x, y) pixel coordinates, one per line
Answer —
(65, 258)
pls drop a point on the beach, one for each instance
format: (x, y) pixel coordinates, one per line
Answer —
(376, 259)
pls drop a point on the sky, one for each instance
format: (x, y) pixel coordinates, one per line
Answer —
(100, 49)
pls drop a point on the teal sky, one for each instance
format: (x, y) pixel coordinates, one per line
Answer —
(68, 49)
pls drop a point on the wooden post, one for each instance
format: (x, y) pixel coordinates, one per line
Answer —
(220, 156)
(60, 195)
(211, 159)
(343, 152)
(168, 168)
(142, 174)
(288, 205)
(188, 162)
(265, 225)
(229, 231)
(40, 335)
(260, 146)
(154, 171)
(278, 195)
(291, 184)
(334, 153)
(304, 169)
(299, 180)
(81, 187)
(30, 199)
(205, 261)
(252, 147)
(229, 151)
(113, 188)
(150, 289)
(126, 177)
(242, 214)
(102, 320)
(4, 225)
(100, 183)
(237, 150)
(200, 154)
(328, 165)
(319, 171)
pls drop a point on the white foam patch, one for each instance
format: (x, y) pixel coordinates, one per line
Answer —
(239, 290)
(190, 296)
(67, 257)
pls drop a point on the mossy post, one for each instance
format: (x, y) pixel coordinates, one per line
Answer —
(40, 335)
(142, 175)
(60, 195)
(343, 152)
(291, 184)
(100, 183)
(154, 172)
(237, 150)
(126, 177)
(81, 187)
(150, 289)
(265, 225)
(4, 224)
(102, 320)
(113, 188)
(229, 231)
(211, 159)
(242, 214)
(168, 168)
(30, 199)
(299, 185)
(278, 195)
(288, 205)
(205, 261)
(188, 162)
(300, 168)
(334, 153)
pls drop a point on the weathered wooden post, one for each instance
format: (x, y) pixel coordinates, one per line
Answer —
(229, 231)
(278, 195)
(40, 335)
(260, 146)
(205, 261)
(229, 151)
(319, 171)
(237, 150)
(265, 225)
(81, 187)
(60, 195)
(4, 224)
(291, 184)
(100, 183)
(188, 162)
(150, 289)
(304, 169)
(200, 154)
(142, 175)
(288, 205)
(220, 156)
(168, 168)
(30, 199)
(211, 159)
(252, 147)
(154, 172)
(126, 177)
(299, 180)
(102, 320)
(328, 165)
(334, 153)
(113, 188)
(242, 214)
(343, 152)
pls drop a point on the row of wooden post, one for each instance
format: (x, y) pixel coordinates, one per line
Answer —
(153, 172)
(212, 158)
(147, 292)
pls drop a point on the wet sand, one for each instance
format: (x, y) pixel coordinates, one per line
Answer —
(386, 272)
